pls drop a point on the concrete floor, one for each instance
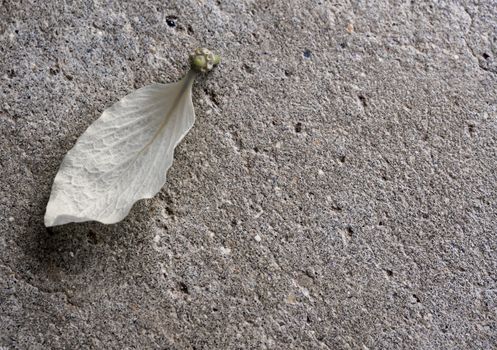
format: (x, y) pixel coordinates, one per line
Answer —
(338, 191)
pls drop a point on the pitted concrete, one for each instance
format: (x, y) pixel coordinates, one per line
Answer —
(338, 190)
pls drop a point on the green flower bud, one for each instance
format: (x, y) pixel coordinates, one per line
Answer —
(203, 60)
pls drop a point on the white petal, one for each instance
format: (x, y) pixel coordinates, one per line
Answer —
(123, 156)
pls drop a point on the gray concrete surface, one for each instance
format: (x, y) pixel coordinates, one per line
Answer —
(337, 192)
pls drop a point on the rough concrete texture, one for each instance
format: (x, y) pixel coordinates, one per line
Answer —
(338, 190)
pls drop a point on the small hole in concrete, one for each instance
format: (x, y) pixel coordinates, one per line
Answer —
(363, 100)
(171, 21)
(307, 53)
(342, 159)
(485, 55)
(350, 231)
(54, 70)
(247, 68)
(92, 237)
(183, 287)
(298, 127)
(169, 211)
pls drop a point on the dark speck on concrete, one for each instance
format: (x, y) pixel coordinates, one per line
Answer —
(171, 21)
